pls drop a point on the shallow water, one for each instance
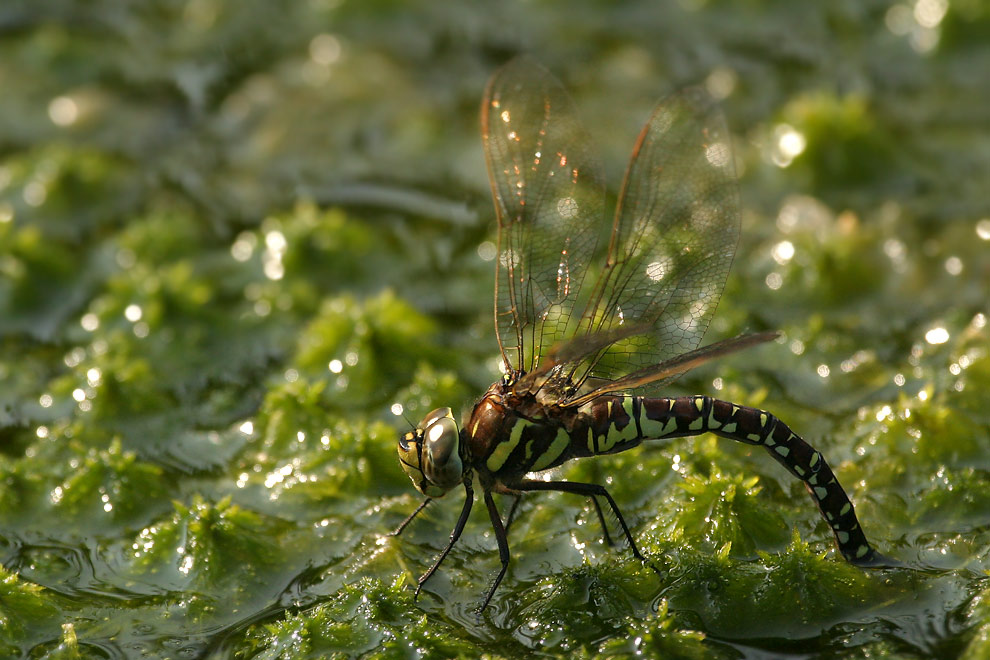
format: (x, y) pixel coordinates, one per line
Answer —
(232, 236)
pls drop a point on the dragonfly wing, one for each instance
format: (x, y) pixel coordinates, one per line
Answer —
(672, 368)
(673, 240)
(549, 194)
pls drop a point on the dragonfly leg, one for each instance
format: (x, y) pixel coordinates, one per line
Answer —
(517, 498)
(594, 500)
(454, 535)
(594, 491)
(601, 519)
(512, 512)
(409, 518)
(503, 546)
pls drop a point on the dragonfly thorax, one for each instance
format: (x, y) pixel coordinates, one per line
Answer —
(430, 454)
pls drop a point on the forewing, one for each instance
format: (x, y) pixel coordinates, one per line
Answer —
(673, 239)
(548, 189)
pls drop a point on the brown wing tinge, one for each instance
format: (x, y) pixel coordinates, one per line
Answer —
(675, 366)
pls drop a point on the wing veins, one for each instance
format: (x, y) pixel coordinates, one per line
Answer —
(676, 366)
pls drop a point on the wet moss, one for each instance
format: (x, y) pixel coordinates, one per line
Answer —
(233, 236)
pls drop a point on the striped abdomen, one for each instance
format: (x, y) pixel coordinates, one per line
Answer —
(612, 424)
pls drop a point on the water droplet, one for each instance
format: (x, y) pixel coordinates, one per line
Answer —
(63, 111)
(783, 252)
(937, 335)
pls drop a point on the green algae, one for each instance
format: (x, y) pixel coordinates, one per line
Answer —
(232, 236)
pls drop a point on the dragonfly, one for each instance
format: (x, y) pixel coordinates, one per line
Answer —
(591, 327)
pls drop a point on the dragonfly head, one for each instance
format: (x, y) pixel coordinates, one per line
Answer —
(430, 454)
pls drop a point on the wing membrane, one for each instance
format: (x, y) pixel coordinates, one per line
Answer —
(675, 366)
(672, 244)
(548, 189)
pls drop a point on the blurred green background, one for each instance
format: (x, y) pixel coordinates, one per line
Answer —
(234, 233)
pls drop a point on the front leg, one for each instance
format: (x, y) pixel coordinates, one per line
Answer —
(456, 534)
(409, 518)
(503, 546)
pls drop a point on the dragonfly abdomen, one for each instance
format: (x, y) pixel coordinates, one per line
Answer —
(617, 423)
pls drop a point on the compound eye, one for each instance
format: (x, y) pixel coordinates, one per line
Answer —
(441, 451)
(430, 419)
(409, 454)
